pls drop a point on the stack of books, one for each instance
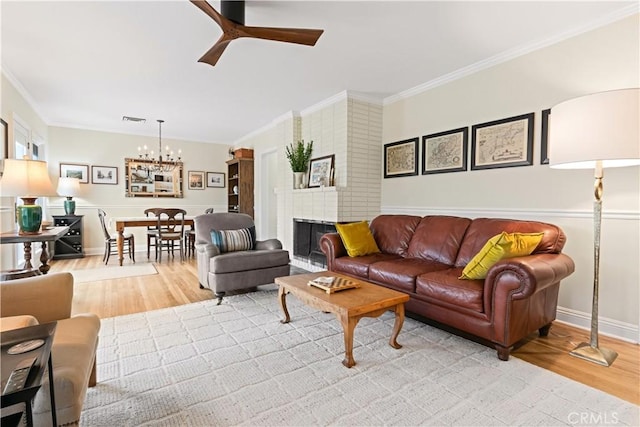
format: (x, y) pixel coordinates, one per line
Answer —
(332, 284)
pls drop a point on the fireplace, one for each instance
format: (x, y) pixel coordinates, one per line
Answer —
(306, 236)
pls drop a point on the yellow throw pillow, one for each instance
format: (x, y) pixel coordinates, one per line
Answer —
(357, 238)
(504, 245)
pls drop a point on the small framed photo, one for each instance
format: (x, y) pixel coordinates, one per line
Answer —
(196, 180)
(445, 151)
(401, 158)
(72, 170)
(321, 171)
(215, 179)
(502, 143)
(544, 137)
(104, 175)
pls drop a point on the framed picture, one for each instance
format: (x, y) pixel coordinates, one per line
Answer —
(502, 143)
(445, 151)
(104, 175)
(196, 180)
(72, 170)
(215, 179)
(401, 158)
(321, 171)
(4, 139)
(544, 137)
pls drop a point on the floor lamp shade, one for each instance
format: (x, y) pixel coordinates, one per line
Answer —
(28, 180)
(69, 187)
(596, 131)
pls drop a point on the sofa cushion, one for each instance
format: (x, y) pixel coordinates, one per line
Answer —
(438, 238)
(504, 245)
(393, 232)
(357, 238)
(482, 229)
(359, 266)
(242, 239)
(232, 262)
(445, 286)
(401, 273)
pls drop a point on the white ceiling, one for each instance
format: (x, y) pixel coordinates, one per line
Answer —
(86, 64)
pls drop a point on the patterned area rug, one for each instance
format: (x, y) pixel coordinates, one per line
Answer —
(113, 272)
(236, 364)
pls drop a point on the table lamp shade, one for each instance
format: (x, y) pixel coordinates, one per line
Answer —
(601, 127)
(27, 179)
(69, 187)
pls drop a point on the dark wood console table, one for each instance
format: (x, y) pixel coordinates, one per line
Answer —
(50, 235)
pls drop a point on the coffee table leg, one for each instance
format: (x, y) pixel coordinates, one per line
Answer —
(282, 297)
(348, 326)
(397, 326)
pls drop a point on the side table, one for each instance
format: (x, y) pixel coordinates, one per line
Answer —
(50, 235)
(12, 337)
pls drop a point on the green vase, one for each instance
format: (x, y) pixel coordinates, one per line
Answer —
(70, 206)
(29, 218)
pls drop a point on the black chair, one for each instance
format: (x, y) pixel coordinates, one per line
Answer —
(190, 237)
(111, 243)
(152, 232)
(170, 230)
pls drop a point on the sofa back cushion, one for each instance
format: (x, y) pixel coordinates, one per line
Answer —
(219, 221)
(482, 229)
(438, 238)
(393, 232)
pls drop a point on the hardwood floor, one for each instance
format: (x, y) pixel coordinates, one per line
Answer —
(177, 284)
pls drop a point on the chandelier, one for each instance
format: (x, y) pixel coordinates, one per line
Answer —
(161, 164)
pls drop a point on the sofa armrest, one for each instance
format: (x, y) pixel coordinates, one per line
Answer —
(269, 244)
(47, 297)
(207, 249)
(332, 247)
(204, 253)
(521, 277)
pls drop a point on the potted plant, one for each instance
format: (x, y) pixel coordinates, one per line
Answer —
(299, 155)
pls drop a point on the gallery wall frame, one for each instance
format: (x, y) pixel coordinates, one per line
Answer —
(215, 179)
(445, 151)
(74, 170)
(544, 137)
(321, 171)
(401, 158)
(502, 143)
(196, 180)
(104, 175)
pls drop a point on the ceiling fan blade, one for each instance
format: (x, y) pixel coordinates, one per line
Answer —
(288, 35)
(213, 55)
(210, 11)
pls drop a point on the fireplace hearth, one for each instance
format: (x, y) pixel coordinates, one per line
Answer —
(306, 235)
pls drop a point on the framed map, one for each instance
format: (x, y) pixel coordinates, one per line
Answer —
(401, 158)
(502, 143)
(445, 151)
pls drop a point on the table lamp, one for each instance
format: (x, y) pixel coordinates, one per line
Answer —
(596, 131)
(27, 179)
(69, 187)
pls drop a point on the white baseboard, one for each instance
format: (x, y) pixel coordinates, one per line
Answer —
(607, 327)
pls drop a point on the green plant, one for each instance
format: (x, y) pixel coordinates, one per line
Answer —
(299, 155)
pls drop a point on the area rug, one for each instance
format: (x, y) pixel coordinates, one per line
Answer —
(113, 272)
(235, 364)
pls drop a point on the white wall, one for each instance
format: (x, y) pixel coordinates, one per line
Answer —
(603, 59)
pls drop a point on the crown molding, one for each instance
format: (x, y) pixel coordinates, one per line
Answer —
(24, 93)
(513, 53)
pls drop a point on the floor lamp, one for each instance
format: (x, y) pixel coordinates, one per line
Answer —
(596, 131)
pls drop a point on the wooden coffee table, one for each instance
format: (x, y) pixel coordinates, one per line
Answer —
(349, 306)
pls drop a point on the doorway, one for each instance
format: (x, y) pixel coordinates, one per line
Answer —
(268, 203)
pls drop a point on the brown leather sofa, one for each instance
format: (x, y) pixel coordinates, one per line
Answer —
(424, 256)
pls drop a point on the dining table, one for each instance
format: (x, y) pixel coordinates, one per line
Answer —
(120, 223)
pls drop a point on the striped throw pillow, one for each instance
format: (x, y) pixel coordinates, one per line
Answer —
(234, 240)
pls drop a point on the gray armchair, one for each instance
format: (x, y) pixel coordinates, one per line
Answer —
(229, 271)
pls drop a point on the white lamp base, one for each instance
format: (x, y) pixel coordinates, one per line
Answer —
(599, 355)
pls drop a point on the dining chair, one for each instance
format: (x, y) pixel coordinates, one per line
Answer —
(190, 237)
(152, 232)
(170, 230)
(111, 243)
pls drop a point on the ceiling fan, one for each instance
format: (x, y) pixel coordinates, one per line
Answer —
(232, 23)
